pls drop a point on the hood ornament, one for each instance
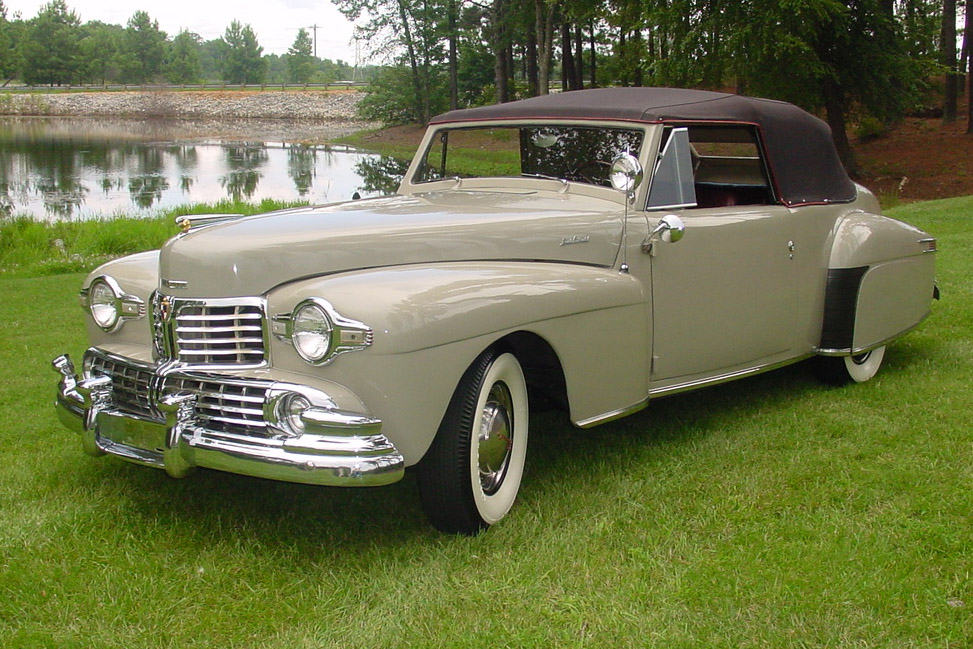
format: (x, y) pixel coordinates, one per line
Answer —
(189, 223)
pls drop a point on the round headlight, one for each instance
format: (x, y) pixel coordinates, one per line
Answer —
(103, 304)
(311, 332)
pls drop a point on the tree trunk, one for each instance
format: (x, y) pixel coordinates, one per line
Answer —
(533, 79)
(567, 58)
(510, 69)
(422, 109)
(544, 30)
(636, 57)
(453, 65)
(834, 106)
(949, 60)
(578, 58)
(500, 52)
(968, 45)
(594, 80)
(622, 55)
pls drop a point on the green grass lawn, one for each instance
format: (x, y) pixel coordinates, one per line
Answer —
(771, 512)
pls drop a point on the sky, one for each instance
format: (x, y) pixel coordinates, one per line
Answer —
(275, 22)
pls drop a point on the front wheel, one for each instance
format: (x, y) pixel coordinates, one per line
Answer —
(471, 474)
(839, 370)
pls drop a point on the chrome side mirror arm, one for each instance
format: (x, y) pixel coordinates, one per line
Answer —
(670, 230)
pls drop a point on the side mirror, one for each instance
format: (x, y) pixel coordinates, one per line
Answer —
(670, 230)
(626, 173)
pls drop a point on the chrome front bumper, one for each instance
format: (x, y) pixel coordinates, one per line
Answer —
(338, 448)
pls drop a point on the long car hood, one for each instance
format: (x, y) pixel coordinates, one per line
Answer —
(252, 255)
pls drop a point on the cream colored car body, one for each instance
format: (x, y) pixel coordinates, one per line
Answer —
(566, 275)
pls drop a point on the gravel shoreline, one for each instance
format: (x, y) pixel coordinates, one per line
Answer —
(298, 116)
(334, 106)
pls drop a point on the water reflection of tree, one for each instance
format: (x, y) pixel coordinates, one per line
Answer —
(301, 166)
(147, 190)
(244, 161)
(185, 156)
(381, 174)
(56, 165)
(147, 184)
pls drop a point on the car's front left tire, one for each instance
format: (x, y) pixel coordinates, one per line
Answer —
(470, 476)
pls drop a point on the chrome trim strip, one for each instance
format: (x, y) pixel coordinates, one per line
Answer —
(931, 245)
(685, 387)
(612, 416)
(854, 351)
(724, 378)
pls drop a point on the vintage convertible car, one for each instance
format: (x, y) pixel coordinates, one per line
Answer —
(524, 260)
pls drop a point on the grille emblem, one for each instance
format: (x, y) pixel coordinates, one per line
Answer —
(161, 315)
(165, 308)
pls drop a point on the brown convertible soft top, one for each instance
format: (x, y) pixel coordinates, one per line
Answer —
(800, 151)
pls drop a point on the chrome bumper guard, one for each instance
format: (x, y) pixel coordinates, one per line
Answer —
(338, 448)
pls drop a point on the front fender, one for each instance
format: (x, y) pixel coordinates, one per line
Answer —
(431, 322)
(137, 275)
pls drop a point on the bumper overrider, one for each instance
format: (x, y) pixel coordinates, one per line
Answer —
(169, 424)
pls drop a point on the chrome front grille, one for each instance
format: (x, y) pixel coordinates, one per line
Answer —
(130, 386)
(234, 407)
(227, 407)
(223, 332)
(208, 334)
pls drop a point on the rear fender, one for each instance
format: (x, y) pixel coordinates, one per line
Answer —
(881, 279)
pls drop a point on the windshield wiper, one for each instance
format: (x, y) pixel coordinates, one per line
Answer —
(543, 176)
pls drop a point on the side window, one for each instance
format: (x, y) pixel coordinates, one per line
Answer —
(728, 166)
(672, 178)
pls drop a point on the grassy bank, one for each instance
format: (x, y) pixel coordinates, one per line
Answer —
(771, 512)
(30, 248)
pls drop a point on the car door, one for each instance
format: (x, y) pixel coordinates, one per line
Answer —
(724, 296)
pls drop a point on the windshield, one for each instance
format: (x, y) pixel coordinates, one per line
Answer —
(577, 153)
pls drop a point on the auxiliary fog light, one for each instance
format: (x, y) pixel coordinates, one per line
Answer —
(289, 412)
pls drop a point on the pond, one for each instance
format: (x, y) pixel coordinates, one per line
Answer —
(88, 168)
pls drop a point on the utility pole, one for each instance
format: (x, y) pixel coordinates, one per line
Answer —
(315, 28)
(356, 74)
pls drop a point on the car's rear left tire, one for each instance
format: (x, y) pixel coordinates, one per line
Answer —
(470, 476)
(857, 368)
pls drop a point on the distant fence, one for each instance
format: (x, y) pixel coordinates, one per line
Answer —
(90, 87)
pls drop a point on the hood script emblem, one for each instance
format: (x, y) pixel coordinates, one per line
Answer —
(575, 238)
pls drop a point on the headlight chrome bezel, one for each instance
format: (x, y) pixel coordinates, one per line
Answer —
(123, 305)
(312, 332)
(343, 334)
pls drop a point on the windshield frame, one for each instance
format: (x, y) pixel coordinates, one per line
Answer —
(413, 182)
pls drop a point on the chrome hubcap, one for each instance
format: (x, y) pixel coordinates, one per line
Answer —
(495, 438)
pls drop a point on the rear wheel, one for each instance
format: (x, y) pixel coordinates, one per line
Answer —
(471, 474)
(858, 368)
